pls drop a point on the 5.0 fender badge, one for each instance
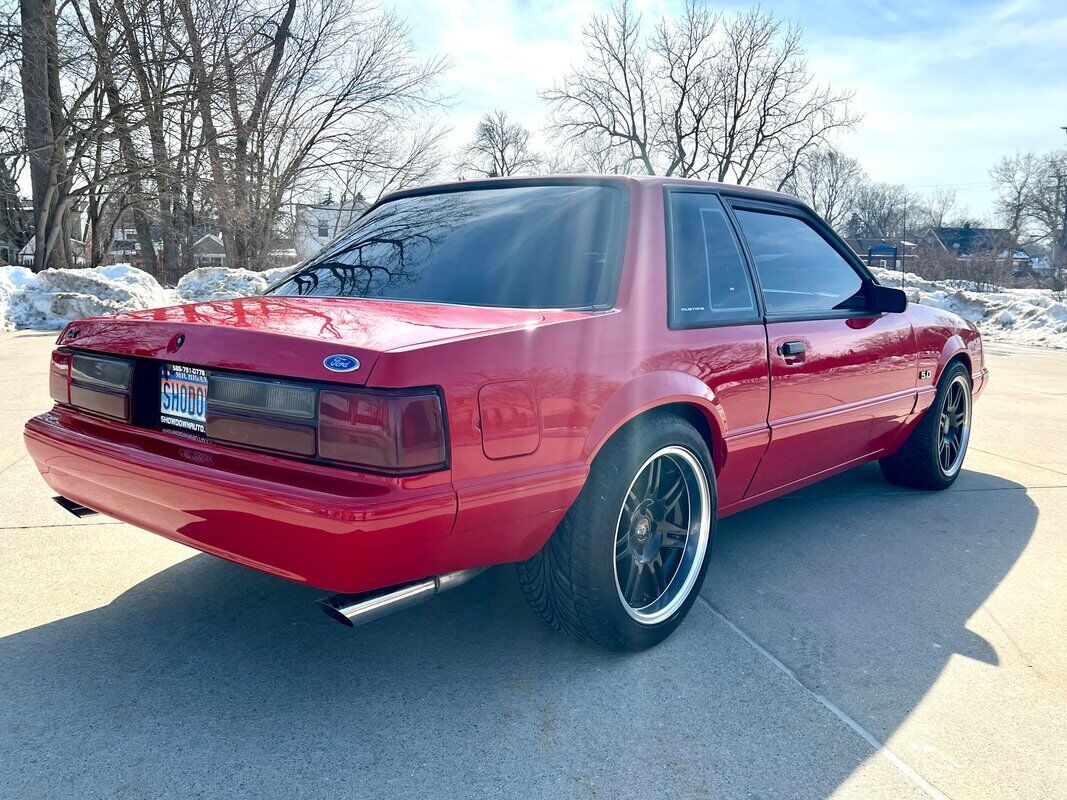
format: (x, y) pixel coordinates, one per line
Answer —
(340, 362)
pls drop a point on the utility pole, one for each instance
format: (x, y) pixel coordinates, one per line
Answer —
(1056, 239)
(903, 241)
(1061, 197)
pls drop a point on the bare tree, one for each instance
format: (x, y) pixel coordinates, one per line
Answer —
(44, 120)
(828, 181)
(1031, 199)
(943, 209)
(153, 54)
(700, 96)
(288, 95)
(387, 160)
(183, 116)
(1048, 210)
(391, 158)
(76, 111)
(499, 148)
(611, 99)
(14, 226)
(1017, 180)
(136, 200)
(587, 156)
(879, 211)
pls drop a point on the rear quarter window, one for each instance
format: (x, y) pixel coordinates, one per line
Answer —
(709, 284)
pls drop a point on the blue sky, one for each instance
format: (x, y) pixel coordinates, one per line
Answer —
(945, 88)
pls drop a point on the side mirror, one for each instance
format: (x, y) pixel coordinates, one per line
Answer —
(886, 299)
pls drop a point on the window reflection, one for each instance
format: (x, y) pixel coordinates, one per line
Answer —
(523, 246)
(799, 271)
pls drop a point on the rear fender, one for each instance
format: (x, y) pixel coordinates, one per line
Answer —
(652, 390)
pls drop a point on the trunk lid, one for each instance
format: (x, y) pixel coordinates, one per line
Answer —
(288, 336)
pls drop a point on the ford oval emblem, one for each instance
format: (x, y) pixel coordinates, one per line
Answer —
(340, 363)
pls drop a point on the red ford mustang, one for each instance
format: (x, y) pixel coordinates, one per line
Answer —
(580, 375)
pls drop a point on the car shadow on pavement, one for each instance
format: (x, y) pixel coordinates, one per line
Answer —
(210, 679)
(864, 589)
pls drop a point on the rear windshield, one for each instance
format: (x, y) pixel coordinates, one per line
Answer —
(526, 246)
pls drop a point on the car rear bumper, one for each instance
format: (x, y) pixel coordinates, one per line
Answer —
(335, 529)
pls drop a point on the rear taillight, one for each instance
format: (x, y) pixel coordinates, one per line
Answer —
(390, 432)
(101, 384)
(59, 376)
(380, 431)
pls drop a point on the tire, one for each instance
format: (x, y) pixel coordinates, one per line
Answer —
(620, 524)
(928, 459)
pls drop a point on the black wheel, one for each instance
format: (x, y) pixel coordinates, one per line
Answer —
(626, 563)
(933, 454)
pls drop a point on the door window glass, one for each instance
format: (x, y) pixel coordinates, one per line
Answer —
(799, 272)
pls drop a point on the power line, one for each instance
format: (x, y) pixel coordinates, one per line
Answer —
(972, 184)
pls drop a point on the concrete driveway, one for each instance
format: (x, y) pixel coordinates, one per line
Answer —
(853, 640)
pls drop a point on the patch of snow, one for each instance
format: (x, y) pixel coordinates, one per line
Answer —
(222, 283)
(53, 297)
(12, 280)
(1019, 316)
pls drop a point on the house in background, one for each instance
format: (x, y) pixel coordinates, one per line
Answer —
(209, 251)
(970, 243)
(315, 224)
(16, 220)
(125, 248)
(75, 230)
(25, 255)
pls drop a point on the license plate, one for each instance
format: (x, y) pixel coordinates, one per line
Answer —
(182, 397)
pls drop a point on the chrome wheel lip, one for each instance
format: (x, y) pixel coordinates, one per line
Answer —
(944, 425)
(683, 579)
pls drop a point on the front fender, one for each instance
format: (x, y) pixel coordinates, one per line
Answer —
(648, 391)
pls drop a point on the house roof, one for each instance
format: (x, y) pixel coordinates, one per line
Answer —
(357, 204)
(209, 244)
(30, 248)
(968, 240)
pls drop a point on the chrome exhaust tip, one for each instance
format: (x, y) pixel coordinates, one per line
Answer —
(77, 509)
(363, 607)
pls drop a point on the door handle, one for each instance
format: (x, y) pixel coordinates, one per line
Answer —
(792, 349)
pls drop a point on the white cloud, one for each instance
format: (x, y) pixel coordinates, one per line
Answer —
(502, 54)
(942, 108)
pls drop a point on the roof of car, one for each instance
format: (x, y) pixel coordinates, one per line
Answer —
(734, 189)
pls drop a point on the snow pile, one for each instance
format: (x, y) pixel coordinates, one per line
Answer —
(54, 297)
(221, 283)
(12, 280)
(1020, 316)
